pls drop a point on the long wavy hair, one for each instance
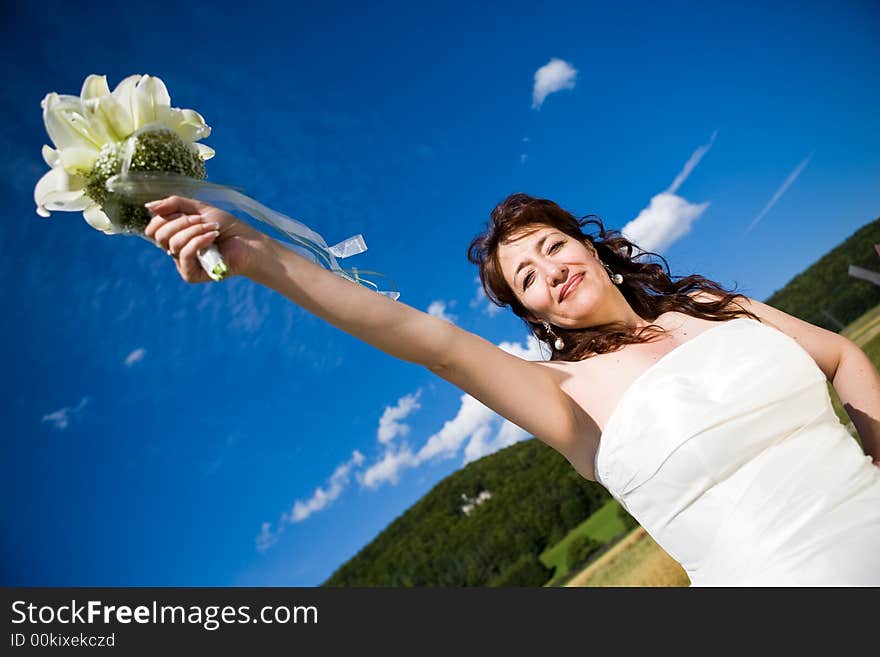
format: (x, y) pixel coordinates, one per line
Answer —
(647, 286)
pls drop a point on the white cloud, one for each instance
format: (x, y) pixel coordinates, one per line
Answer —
(475, 426)
(691, 164)
(135, 356)
(482, 302)
(62, 417)
(554, 76)
(438, 309)
(388, 468)
(531, 350)
(321, 499)
(472, 418)
(390, 424)
(481, 445)
(779, 192)
(667, 219)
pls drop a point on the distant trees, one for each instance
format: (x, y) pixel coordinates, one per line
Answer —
(525, 571)
(825, 290)
(580, 549)
(536, 499)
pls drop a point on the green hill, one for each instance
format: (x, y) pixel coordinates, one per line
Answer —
(536, 498)
(825, 291)
(534, 506)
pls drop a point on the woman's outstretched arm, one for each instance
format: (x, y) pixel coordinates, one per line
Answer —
(524, 392)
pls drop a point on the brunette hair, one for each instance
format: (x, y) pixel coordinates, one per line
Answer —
(647, 286)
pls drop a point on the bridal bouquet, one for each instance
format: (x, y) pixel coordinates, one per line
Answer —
(116, 150)
(102, 134)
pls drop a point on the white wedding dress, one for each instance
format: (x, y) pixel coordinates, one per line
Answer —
(728, 452)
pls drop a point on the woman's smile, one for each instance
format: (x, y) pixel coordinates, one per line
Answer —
(569, 287)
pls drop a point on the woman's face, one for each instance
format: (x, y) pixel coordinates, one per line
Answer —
(556, 277)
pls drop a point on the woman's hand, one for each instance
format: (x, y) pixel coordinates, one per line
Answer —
(183, 226)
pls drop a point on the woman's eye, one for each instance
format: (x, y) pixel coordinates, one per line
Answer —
(527, 280)
(553, 248)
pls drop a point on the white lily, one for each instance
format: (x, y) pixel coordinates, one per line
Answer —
(89, 130)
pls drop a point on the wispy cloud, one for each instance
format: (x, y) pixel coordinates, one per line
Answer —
(481, 301)
(438, 309)
(390, 425)
(61, 418)
(779, 192)
(668, 216)
(553, 76)
(135, 356)
(267, 538)
(524, 156)
(389, 467)
(319, 500)
(475, 428)
(214, 465)
(691, 164)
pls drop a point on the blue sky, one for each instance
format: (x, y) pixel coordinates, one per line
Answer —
(173, 435)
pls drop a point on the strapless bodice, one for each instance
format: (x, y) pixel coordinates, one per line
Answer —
(728, 452)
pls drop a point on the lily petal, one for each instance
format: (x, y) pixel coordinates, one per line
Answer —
(111, 113)
(50, 155)
(78, 161)
(68, 123)
(205, 152)
(58, 191)
(123, 93)
(94, 86)
(149, 94)
(188, 124)
(96, 218)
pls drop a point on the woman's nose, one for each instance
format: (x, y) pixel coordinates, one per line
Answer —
(556, 272)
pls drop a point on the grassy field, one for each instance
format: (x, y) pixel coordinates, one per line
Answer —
(634, 561)
(604, 525)
(637, 560)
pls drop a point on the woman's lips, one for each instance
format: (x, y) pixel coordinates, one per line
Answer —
(574, 282)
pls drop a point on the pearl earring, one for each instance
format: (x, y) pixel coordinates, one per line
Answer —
(615, 277)
(558, 343)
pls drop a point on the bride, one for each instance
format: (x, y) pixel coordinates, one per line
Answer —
(703, 412)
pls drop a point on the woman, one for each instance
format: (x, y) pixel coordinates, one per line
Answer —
(704, 413)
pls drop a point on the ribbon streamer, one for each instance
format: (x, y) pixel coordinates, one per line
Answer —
(141, 187)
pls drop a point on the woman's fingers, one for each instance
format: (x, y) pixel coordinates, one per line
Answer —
(168, 227)
(173, 205)
(179, 240)
(188, 263)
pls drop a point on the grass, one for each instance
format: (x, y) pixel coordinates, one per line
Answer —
(637, 560)
(604, 526)
(865, 332)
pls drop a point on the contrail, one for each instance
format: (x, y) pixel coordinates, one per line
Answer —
(691, 164)
(779, 192)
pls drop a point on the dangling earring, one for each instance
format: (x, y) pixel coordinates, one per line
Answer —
(559, 344)
(616, 278)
